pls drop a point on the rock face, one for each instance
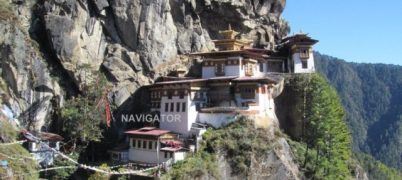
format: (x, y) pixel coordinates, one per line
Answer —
(30, 89)
(75, 36)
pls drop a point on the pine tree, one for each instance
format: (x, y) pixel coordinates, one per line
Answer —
(326, 131)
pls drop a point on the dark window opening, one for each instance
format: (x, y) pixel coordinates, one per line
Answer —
(304, 64)
(149, 144)
(171, 107)
(166, 107)
(178, 107)
(144, 144)
(183, 107)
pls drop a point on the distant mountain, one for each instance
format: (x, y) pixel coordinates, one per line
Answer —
(372, 97)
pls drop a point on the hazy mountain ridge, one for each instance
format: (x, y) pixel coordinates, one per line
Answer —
(371, 95)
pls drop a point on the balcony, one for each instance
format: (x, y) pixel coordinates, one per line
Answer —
(217, 97)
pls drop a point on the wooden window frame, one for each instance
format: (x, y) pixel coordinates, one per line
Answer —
(219, 69)
(304, 53)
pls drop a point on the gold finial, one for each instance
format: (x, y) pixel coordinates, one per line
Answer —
(229, 33)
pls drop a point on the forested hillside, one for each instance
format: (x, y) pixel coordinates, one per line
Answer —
(372, 97)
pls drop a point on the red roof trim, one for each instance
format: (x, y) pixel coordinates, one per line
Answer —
(147, 132)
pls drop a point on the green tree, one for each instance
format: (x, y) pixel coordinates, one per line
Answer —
(326, 131)
(84, 116)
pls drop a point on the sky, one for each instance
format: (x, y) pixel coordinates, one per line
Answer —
(368, 31)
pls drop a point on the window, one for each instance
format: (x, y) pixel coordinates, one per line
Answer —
(247, 92)
(144, 144)
(178, 107)
(261, 67)
(133, 142)
(249, 69)
(304, 64)
(156, 145)
(139, 143)
(183, 107)
(170, 95)
(166, 107)
(115, 156)
(171, 107)
(149, 144)
(304, 53)
(171, 154)
(220, 69)
(166, 154)
(181, 95)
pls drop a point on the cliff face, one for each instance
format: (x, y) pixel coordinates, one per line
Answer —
(50, 49)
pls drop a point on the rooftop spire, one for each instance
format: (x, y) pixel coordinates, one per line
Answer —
(229, 33)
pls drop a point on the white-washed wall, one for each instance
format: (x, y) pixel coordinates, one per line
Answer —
(298, 68)
(182, 123)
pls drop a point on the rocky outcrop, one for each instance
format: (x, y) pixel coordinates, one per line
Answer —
(274, 164)
(30, 87)
(259, 20)
(75, 36)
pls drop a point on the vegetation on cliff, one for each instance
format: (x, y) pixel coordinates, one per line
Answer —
(375, 169)
(83, 116)
(324, 150)
(371, 95)
(238, 142)
(21, 164)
